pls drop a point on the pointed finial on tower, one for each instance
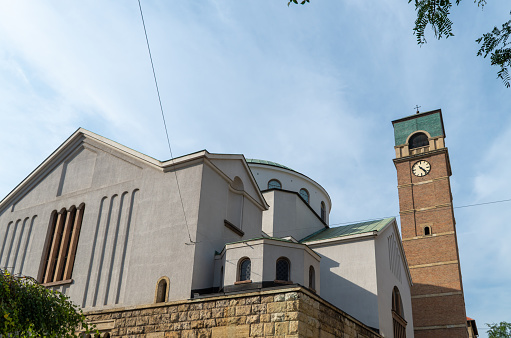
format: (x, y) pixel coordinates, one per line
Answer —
(417, 107)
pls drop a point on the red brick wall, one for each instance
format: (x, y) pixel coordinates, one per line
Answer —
(427, 201)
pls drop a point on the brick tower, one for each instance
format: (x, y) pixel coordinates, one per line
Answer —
(428, 226)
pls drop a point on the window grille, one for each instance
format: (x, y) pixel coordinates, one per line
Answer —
(244, 270)
(282, 270)
(305, 195)
(274, 184)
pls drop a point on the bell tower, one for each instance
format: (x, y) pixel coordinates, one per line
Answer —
(428, 227)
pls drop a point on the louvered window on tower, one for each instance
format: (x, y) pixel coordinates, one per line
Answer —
(418, 140)
(62, 243)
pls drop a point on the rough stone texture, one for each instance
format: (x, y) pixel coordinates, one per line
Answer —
(287, 312)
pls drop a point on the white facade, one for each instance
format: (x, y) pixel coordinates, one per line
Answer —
(359, 273)
(191, 222)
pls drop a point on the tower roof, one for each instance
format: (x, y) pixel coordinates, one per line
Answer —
(430, 122)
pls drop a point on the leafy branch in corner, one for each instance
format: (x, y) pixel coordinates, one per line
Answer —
(436, 13)
(28, 309)
(496, 44)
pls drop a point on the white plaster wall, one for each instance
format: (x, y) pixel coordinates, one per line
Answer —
(133, 227)
(214, 209)
(387, 279)
(263, 254)
(289, 215)
(235, 252)
(348, 277)
(273, 250)
(292, 181)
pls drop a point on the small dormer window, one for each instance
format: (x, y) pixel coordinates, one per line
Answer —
(418, 140)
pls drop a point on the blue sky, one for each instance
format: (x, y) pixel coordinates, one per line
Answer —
(313, 87)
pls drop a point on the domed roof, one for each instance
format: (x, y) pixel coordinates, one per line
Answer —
(275, 164)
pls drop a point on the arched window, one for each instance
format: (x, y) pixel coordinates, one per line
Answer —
(162, 290)
(323, 211)
(427, 231)
(418, 140)
(244, 268)
(398, 315)
(274, 184)
(305, 194)
(312, 278)
(106, 335)
(282, 267)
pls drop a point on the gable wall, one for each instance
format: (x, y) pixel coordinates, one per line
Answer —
(132, 230)
(392, 272)
(218, 202)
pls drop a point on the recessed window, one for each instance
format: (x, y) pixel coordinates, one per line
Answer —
(427, 231)
(312, 278)
(398, 316)
(418, 140)
(162, 290)
(60, 253)
(244, 270)
(304, 194)
(274, 184)
(323, 211)
(282, 266)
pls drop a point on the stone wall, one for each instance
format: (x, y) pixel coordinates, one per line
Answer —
(283, 312)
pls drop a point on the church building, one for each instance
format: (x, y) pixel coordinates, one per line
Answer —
(220, 245)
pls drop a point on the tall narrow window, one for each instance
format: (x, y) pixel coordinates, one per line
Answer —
(398, 316)
(162, 290)
(62, 243)
(222, 277)
(427, 231)
(244, 270)
(312, 278)
(274, 184)
(282, 267)
(323, 211)
(305, 194)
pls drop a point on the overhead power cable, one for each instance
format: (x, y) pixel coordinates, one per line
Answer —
(164, 122)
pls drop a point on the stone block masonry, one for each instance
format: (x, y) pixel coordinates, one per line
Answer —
(282, 312)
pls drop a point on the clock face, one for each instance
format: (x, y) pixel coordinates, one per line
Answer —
(421, 168)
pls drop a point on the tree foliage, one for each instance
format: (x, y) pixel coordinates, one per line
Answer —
(501, 330)
(28, 309)
(436, 14)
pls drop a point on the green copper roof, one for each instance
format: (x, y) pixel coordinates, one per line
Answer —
(275, 164)
(429, 121)
(347, 230)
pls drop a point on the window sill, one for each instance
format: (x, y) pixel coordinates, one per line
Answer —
(58, 283)
(243, 282)
(282, 281)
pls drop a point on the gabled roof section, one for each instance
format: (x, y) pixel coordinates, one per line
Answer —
(348, 230)
(81, 136)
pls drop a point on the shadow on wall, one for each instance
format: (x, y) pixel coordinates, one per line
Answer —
(348, 296)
